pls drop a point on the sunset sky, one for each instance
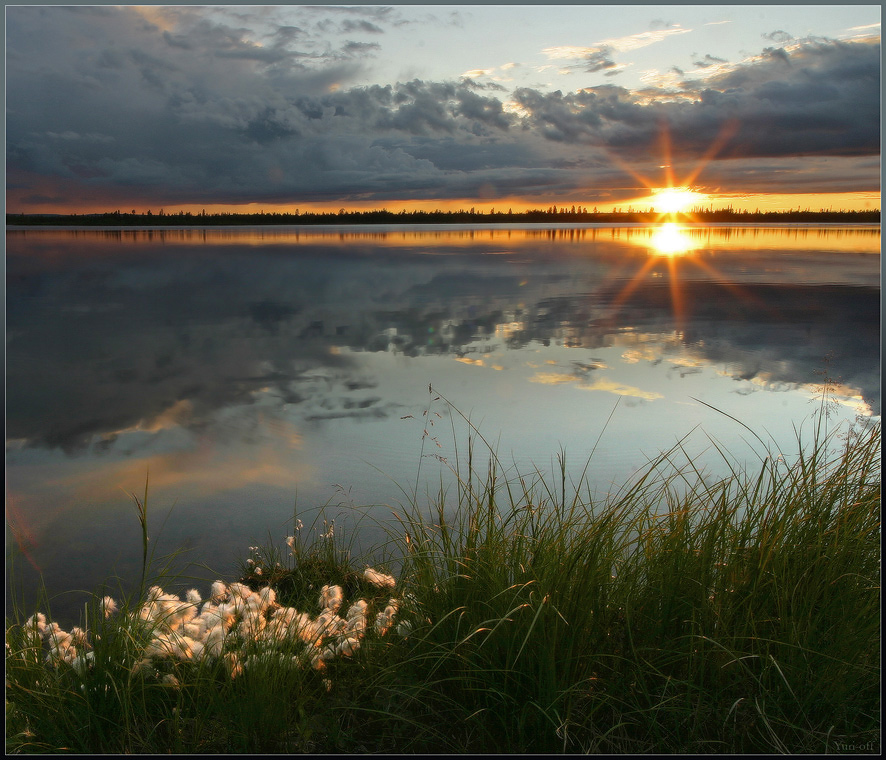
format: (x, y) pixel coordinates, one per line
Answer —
(440, 106)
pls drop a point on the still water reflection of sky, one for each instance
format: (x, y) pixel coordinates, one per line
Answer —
(252, 369)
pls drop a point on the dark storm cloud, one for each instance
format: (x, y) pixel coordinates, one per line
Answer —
(820, 99)
(201, 107)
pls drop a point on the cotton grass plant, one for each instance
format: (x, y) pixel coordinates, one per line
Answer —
(686, 613)
(178, 666)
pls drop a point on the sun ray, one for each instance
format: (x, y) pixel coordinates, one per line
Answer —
(666, 155)
(727, 131)
(633, 283)
(734, 288)
(677, 301)
(677, 194)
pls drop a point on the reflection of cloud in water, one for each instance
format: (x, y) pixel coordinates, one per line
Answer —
(599, 384)
(619, 389)
(201, 470)
(178, 415)
(552, 378)
(836, 394)
(377, 413)
(101, 487)
(647, 353)
(209, 328)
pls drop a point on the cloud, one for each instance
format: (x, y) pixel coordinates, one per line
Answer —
(777, 36)
(600, 57)
(643, 39)
(361, 25)
(474, 85)
(474, 73)
(360, 48)
(617, 44)
(816, 98)
(181, 104)
(317, 141)
(592, 59)
(599, 60)
(708, 60)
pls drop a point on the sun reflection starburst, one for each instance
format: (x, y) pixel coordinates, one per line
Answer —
(671, 240)
(673, 249)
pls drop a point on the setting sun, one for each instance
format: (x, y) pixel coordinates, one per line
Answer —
(671, 200)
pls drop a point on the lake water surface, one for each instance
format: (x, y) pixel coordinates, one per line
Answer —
(252, 369)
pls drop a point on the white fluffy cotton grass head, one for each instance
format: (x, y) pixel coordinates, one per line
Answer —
(108, 606)
(385, 619)
(379, 579)
(36, 625)
(218, 592)
(331, 597)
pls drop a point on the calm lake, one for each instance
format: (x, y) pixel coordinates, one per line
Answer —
(253, 370)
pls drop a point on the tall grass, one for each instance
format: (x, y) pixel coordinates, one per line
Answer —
(687, 613)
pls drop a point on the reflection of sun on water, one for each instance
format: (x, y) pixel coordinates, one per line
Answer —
(671, 240)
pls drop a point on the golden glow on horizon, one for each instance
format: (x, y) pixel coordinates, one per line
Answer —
(751, 202)
(860, 201)
(671, 200)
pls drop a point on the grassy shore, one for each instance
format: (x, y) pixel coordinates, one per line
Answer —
(685, 614)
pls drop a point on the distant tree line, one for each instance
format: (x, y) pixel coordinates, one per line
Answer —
(576, 214)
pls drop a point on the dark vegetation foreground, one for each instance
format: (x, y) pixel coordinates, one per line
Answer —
(685, 614)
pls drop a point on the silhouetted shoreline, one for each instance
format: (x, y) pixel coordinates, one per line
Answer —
(162, 219)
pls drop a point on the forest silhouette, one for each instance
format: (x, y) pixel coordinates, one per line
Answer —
(573, 214)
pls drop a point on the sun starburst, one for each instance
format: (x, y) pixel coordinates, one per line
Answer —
(672, 203)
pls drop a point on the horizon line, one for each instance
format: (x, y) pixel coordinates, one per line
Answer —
(552, 211)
